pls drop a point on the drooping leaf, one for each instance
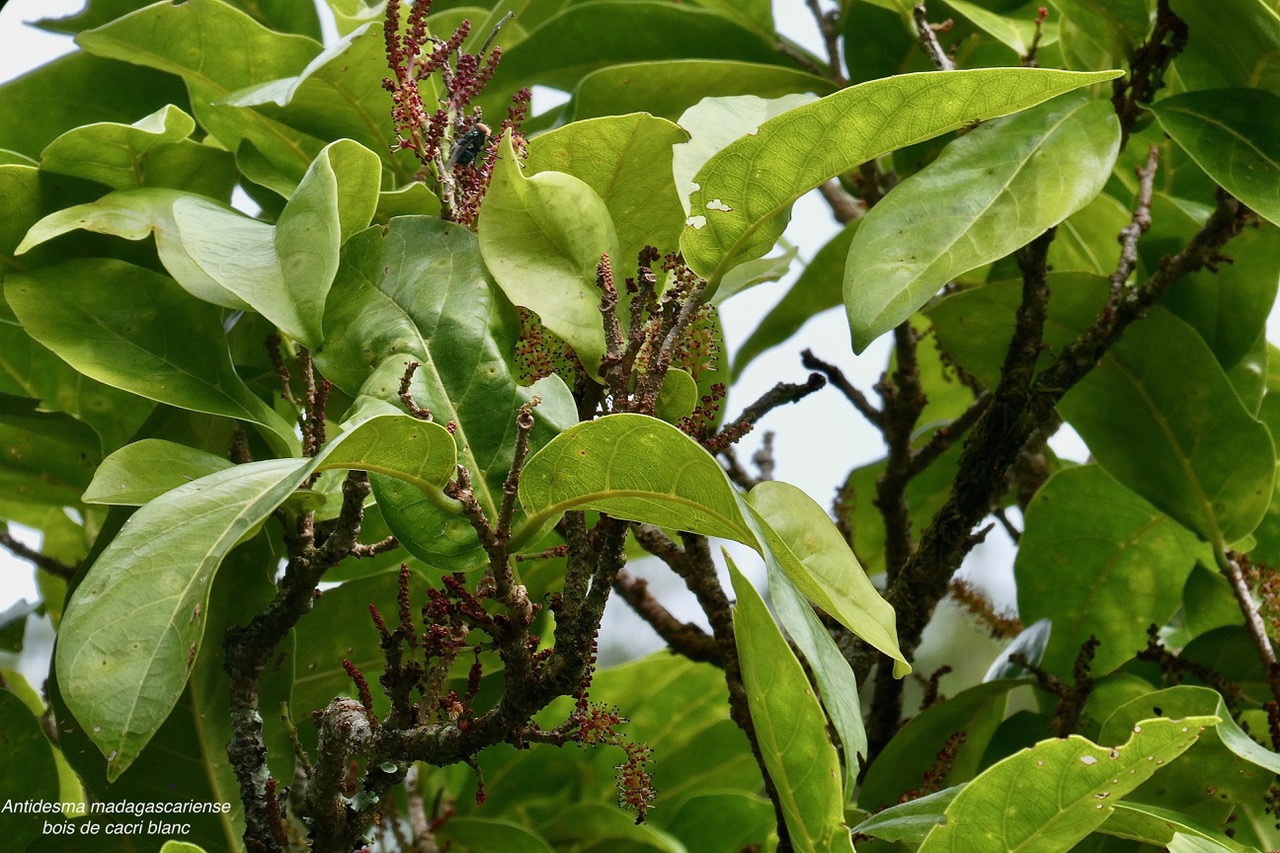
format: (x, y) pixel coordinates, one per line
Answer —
(154, 151)
(216, 49)
(1099, 560)
(542, 237)
(1015, 33)
(668, 89)
(989, 192)
(133, 625)
(790, 727)
(1054, 794)
(798, 530)
(1234, 135)
(627, 161)
(138, 331)
(910, 821)
(835, 134)
(1155, 825)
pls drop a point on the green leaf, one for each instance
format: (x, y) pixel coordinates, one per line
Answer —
(818, 141)
(760, 271)
(606, 826)
(221, 256)
(1229, 307)
(1159, 826)
(542, 237)
(1090, 550)
(790, 727)
(914, 749)
(1097, 34)
(910, 821)
(1086, 240)
(1014, 33)
(627, 161)
(818, 288)
(1234, 135)
(134, 623)
(588, 36)
(798, 531)
(667, 89)
(461, 332)
(601, 465)
(1186, 443)
(990, 192)
(216, 49)
(836, 683)
(478, 835)
(145, 470)
(339, 94)
(1230, 43)
(1052, 795)
(180, 847)
(106, 90)
(25, 746)
(283, 15)
(138, 331)
(154, 151)
(721, 821)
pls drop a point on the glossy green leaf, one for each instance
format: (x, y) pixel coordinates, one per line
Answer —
(180, 847)
(752, 273)
(1090, 551)
(798, 530)
(914, 749)
(107, 90)
(1052, 795)
(1234, 135)
(588, 36)
(823, 139)
(678, 396)
(1086, 240)
(989, 192)
(1230, 43)
(339, 94)
(144, 470)
(461, 332)
(1186, 443)
(627, 161)
(134, 623)
(216, 49)
(601, 465)
(154, 151)
(1155, 825)
(790, 727)
(604, 825)
(818, 288)
(138, 331)
(541, 238)
(667, 89)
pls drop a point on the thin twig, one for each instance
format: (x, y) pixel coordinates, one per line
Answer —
(929, 40)
(837, 378)
(1229, 565)
(944, 438)
(843, 205)
(683, 637)
(1138, 225)
(51, 565)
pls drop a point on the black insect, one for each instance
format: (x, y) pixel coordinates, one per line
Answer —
(468, 146)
